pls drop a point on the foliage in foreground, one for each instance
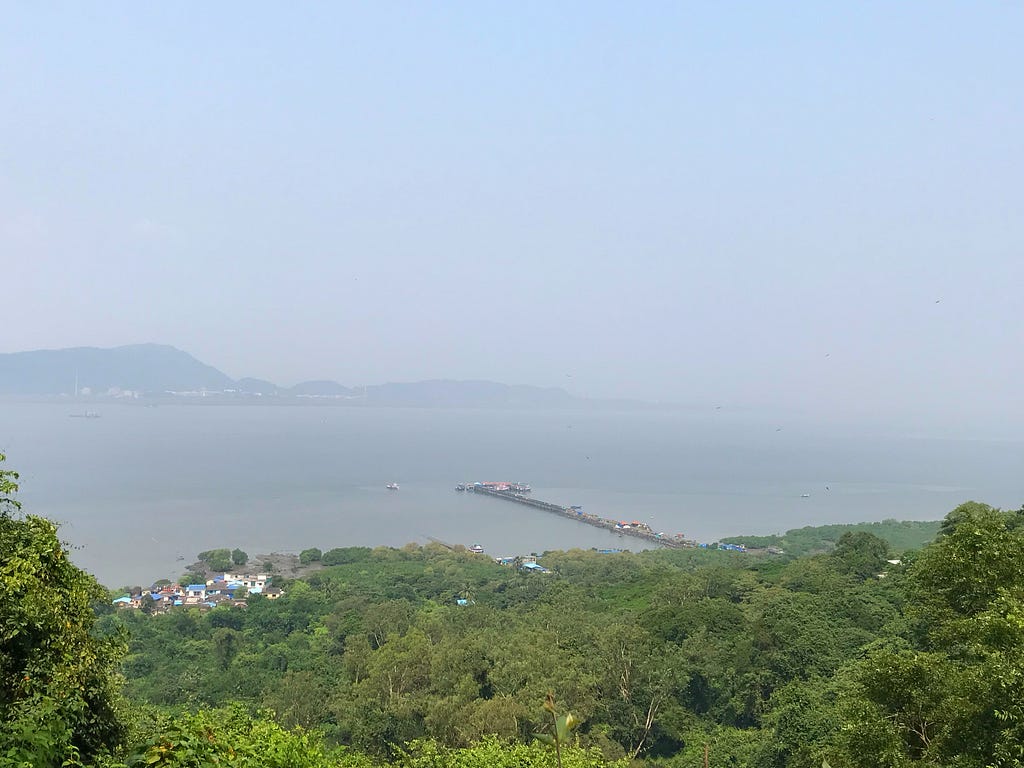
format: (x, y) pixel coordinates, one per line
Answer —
(58, 687)
(783, 663)
(234, 737)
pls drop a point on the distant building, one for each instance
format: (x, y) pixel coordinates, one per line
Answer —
(195, 593)
(533, 567)
(247, 580)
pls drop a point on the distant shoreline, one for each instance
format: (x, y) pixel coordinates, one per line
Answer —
(902, 535)
(328, 401)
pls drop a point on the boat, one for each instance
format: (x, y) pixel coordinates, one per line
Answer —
(460, 487)
(476, 549)
(805, 495)
(392, 486)
(86, 415)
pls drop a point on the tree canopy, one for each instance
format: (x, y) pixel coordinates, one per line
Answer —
(426, 657)
(58, 687)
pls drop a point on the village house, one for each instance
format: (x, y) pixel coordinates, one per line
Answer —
(533, 567)
(220, 591)
(247, 580)
(195, 593)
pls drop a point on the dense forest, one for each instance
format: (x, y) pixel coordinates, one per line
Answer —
(425, 656)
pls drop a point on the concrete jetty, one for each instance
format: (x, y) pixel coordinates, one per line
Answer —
(635, 529)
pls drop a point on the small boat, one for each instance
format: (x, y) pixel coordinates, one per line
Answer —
(460, 487)
(86, 415)
(392, 486)
(805, 495)
(476, 549)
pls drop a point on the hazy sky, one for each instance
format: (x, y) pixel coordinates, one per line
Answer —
(750, 204)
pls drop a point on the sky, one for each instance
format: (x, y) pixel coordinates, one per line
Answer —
(802, 206)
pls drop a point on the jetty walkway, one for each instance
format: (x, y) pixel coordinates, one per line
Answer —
(636, 529)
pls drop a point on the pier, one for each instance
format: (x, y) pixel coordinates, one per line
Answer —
(635, 529)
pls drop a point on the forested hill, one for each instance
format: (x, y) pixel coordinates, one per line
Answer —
(428, 657)
(137, 367)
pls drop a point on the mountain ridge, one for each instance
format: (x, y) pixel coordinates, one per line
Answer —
(161, 370)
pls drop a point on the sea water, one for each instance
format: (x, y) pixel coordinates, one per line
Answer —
(141, 487)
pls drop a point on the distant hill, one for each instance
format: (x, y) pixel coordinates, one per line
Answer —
(138, 367)
(257, 386)
(158, 370)
(321, 389)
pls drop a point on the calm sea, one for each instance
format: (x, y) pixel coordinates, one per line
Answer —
(141, 486)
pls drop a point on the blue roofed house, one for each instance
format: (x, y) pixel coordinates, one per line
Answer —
(247, 580)
(534, 568)
(195, 593)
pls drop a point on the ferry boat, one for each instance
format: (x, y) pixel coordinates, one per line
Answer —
(392, 486)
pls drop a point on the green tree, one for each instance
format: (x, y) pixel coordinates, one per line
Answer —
(226, 644)
(311, 555)
(58, 693)
(950, 691)
(978, 555)
(193, 577)
(343, 555)
(217, 559)
(860, 554)
(643, 679)
(238, 557)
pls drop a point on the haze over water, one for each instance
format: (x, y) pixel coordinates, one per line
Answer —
(140, 486)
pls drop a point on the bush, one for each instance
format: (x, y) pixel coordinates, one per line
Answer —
(233, 737)
(345, 555)
(308, 556)
(217, 559)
